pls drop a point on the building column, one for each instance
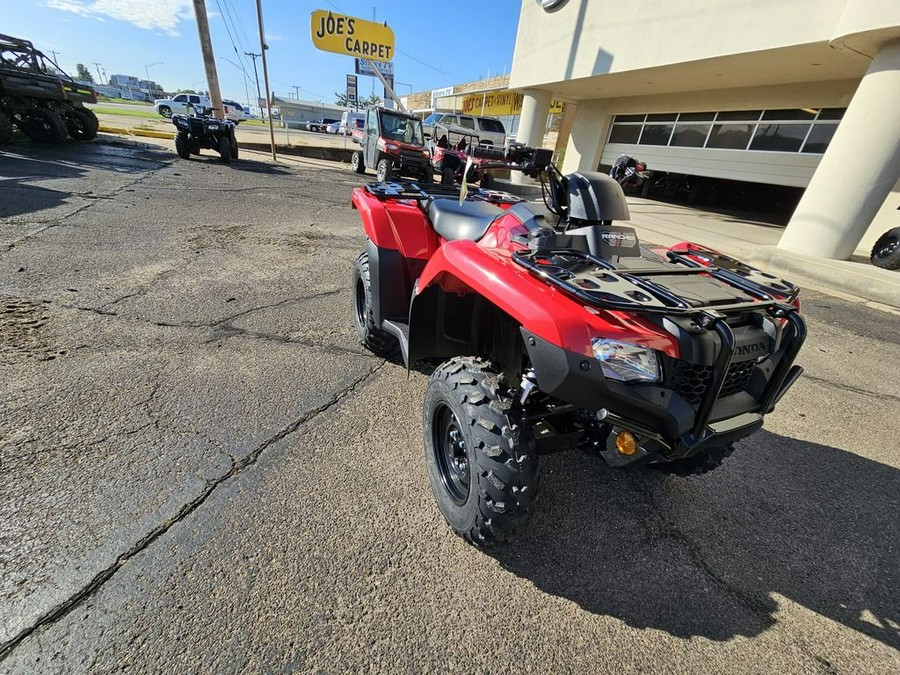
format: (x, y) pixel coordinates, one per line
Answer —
(586, 141)
(532, 124)
(857, 171)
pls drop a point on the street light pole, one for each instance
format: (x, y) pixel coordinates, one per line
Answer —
(99, 76)
(150, 65)
(263, 47)
(256, 75)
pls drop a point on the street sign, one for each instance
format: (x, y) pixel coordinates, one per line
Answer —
(351, 88)
(352, 36)
(364, 67)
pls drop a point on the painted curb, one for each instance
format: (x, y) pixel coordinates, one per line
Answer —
(859, 279)
(121, 131)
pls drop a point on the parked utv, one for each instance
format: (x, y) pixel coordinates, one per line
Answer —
(392, 144)
(560, 330)
(450, 160)
(198, 131)
(39, 98)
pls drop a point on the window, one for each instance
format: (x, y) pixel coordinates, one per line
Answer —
(625, 133)
(181, 98)
(194, 99)
(371, 122)
(493, 126)
(779, 137)
(690, 135)
(433, 118)
(807, 130)
(819, 138)
(467, 122)
(448, 119)
(730, 136)
(656, 134)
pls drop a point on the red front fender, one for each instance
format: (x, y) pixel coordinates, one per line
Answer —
(465, 267)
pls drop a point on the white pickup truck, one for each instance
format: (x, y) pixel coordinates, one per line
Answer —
(179, 104)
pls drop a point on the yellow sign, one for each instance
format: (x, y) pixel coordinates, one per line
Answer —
(351, 36)
(497, 103)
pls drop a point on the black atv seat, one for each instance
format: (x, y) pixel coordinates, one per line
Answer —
(469, 220)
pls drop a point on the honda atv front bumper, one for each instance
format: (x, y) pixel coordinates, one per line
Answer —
(692, 407)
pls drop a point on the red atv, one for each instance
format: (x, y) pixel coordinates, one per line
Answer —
(561, 331)
(449, 158)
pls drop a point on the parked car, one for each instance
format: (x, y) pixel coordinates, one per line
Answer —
(333, 128)
(235, 111)
(180, 103)
(490, 130)
(320, 125)
(354, 124)
(350, 121)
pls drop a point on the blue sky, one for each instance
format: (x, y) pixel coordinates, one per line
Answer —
(438, 43)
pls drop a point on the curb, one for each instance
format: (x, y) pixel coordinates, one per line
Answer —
(859, 279)
(122, 131)
(313, 152)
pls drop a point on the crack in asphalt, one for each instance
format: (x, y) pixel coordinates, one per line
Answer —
(58, 222)
(667, 528)
(63, 609)
(850, 387)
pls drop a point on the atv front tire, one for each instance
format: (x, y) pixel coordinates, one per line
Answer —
(357, 163)
(82, 124)
(448, 176)
(182, 144)
(234, 146)
(886, 252)
(384, 171)
(43, 126)
(370, 336)
(696, 465)
(225, 149)
(480, 452)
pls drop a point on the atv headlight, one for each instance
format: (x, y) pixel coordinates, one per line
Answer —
(213, 127)
(626, 362)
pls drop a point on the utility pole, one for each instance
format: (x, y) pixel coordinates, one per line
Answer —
(296, 91)
(55, 58)
(255, 74)
(209, 60)
(99, 77)
(263, 47)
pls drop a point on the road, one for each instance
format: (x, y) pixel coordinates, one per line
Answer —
(246, 133)
(202, 472)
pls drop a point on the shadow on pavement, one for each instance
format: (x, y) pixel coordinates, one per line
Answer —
(704, 556)
(255, 166)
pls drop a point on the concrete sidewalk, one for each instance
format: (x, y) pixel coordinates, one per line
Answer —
(755, 243)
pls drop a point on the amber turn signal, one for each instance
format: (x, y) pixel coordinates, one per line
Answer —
(626, 443)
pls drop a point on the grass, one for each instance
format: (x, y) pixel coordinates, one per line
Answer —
(146, 114)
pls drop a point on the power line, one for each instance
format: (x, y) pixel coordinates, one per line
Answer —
(239, 23)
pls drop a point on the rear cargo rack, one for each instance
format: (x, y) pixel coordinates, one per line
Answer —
(598, 283)
(420, 191)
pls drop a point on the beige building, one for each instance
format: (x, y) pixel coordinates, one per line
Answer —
(802, 93)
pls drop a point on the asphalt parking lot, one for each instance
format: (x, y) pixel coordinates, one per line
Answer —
(202, 472)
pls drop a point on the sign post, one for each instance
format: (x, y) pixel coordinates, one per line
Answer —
(351, 91)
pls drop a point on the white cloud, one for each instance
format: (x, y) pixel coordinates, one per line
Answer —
(164, 15)
(272, 37)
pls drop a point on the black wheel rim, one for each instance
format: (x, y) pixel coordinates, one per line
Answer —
(450, 454)
(888, 246)
(360, 303)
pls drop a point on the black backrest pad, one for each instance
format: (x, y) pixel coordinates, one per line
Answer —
(469, 220)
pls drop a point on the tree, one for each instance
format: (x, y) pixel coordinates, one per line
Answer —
(340, 99)
(83, 73)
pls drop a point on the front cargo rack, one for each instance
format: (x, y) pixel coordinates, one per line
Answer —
(598, 283)
(420, 191)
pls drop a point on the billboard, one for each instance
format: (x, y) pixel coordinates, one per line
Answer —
(351, 88)
(364, 67)
(351, 36)
(501, 102)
